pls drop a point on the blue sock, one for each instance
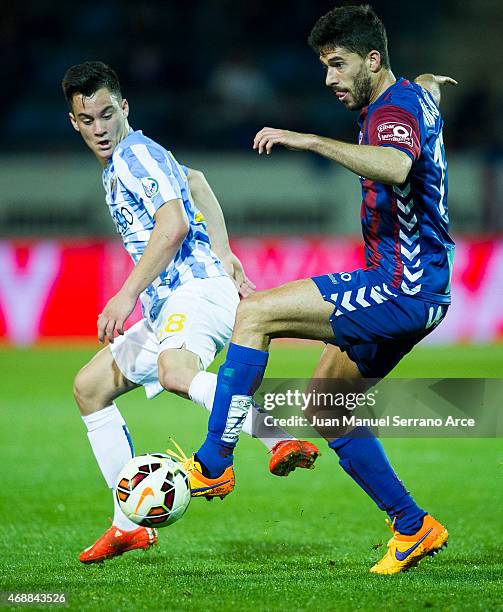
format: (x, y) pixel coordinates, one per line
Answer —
(362, 456)
(240, 375)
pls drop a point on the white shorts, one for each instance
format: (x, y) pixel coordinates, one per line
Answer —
(198, 315)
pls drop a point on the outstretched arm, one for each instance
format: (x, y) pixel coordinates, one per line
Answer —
(383, 164)
(208, 204)
(433, 82)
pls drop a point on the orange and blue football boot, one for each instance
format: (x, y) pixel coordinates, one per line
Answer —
(201, 485)
(406, 551)
(115, 542)
(290, 454)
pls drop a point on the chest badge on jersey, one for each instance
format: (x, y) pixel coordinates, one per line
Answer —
(150, 186)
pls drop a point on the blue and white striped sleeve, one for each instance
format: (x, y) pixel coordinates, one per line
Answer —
(148, 174)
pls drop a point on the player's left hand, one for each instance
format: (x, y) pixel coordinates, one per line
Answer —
(268, 137)
(235, 270)
(114, 315)
(433, 83)
(437, 79)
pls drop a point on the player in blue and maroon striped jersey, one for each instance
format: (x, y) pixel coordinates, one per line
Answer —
(369, 318)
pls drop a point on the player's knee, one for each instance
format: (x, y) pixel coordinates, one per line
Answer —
(252, 313)
(81, 389)
(175, 378)
(84, 392)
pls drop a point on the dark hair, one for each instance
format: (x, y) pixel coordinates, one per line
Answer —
(87, 78)
(355, 28)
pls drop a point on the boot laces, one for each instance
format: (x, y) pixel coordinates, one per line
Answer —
(179, 455)
(391, 525)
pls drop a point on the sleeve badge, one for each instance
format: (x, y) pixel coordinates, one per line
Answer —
(150, 186)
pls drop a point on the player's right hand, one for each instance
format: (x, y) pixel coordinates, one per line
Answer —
(114, 315)
(235, 270)
(265, 140)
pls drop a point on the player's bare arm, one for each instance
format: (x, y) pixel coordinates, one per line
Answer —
(208, 204)
(384, 164)
(433, 83)
(171, 227)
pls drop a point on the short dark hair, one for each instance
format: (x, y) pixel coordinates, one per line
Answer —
(87, 78)
(355, 28)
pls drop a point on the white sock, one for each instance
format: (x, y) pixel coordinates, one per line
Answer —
(202, 391)
(112, 447)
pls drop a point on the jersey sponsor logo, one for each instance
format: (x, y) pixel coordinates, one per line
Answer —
(393, 132)
(123, 219)
(150, 186)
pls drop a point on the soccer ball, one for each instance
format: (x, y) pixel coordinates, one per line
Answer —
(153, 490)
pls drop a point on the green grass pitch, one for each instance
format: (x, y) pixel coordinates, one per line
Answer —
(297, 543)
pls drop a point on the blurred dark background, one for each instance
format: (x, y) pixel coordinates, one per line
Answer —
(204, 76)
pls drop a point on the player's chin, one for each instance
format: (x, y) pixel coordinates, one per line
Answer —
(104, 154)
(353, 106)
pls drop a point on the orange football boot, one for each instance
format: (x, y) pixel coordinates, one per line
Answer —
(201, 485)
(114, 542)
(290, 454)
(406, 551)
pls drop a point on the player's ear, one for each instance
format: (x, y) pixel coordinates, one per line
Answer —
(374, 61)
(125, 108)
(73, 121)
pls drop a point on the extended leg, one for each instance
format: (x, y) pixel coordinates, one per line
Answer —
(335, 373)
(361, 454)
(294, 310)
(180, 372)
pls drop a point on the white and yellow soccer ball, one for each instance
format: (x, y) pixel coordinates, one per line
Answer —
(153, 490)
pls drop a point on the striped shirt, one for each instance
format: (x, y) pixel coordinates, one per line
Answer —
(405, 227)
(139, 178)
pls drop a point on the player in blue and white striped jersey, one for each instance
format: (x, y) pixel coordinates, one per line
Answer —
(188, 299)
(139, 178)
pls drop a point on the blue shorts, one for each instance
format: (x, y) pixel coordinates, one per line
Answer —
(375, 325)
